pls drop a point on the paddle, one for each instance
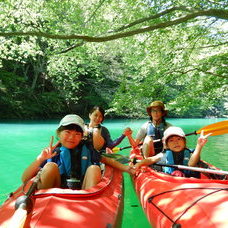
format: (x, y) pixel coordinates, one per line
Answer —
(197, 169)
(125, 159)
(218, 128)
(117, 149)
(24, 205)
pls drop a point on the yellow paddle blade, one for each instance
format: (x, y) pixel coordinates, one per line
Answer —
(218, 128)
(115, 149)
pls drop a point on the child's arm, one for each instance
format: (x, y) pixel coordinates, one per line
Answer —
(33, 168)
(117, 165)
(149, 160)
(202, 140)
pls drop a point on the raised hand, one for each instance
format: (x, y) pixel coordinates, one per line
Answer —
(47, 152)
(202, 140)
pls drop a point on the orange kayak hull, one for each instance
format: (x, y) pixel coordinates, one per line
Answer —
(170, 201)
(100, 206)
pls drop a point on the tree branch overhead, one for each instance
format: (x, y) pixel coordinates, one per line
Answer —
(221, 14)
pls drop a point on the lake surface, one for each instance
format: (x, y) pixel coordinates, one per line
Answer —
(21, 142)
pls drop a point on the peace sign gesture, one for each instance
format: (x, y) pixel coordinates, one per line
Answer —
(202, 140)
(47, 152)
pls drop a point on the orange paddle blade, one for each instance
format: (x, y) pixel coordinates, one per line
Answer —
(218, 128)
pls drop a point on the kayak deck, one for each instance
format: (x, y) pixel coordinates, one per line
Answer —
(170, 201)
(100, 206)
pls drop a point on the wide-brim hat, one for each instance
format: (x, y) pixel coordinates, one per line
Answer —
(72, 119)
(157, 104)
(173, 131)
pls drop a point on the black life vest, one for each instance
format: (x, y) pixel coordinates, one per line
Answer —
(157, 132)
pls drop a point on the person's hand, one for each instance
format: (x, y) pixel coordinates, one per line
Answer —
(98, 140)
(131, 169)
(127, 131)
(202, 140)
(143, 162)
(47, 152)
(86, 131)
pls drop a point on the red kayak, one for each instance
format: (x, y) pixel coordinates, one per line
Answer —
(100, 206)
(170, 201)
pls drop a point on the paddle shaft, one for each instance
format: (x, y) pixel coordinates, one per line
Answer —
(23, 206)
(156, 140)
(124, 159)
(25, 198)
(218, 128)
(126, 147)
(193, 133)
(197, 169)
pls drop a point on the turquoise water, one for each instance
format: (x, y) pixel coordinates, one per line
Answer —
(20, 143)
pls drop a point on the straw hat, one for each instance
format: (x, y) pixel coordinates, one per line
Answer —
(157, 104)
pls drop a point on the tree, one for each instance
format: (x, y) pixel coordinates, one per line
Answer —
(156, 50)
(169, 17)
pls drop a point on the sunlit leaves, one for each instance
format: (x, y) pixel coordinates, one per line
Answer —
(177, 64)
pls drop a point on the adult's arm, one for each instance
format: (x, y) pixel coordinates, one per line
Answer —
(108, 140)
(141, 134)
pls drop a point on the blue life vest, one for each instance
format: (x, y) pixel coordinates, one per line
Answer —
(64, 160)
(170, 161)
(156, 132)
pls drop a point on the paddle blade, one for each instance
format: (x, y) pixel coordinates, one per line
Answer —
(115, 149)
(219, 128)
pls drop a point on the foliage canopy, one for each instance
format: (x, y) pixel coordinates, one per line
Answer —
(61, 56)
